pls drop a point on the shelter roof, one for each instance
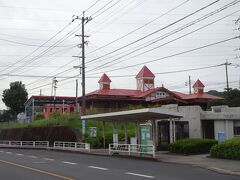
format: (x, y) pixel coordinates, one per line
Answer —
(135, 115)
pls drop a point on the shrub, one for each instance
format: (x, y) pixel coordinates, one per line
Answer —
(192, 146)
(95, 142)
(229, 149)
(39, 117)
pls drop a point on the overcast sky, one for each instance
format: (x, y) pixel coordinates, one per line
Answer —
(27, 24)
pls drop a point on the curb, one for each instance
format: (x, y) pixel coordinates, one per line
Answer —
(213, 169)
(223, 171)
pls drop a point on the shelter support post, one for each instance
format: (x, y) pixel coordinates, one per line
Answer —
(125, 132)
(137, 132)
(174, 131)
(33, 109)
(171, 130)
(103, 134)
(154, 133)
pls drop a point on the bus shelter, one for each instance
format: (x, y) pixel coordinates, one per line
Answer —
(139, 117)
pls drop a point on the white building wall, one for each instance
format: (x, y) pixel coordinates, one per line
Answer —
(225, 126)
(192, 115)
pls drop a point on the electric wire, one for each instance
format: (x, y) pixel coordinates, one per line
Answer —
(158, 39)
(150, 34)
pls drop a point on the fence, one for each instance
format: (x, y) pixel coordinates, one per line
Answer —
(74, 146)
(25, 144)
(132, 149)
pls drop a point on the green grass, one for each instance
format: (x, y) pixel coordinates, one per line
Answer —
(75, 121)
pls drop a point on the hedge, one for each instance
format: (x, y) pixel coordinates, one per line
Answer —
(229, 149)
(192, 146)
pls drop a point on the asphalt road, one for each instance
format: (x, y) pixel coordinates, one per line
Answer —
(23, 164)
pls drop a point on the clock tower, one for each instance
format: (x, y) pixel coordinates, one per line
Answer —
(145, 79)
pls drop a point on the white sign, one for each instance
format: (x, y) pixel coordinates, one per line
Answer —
(83, 127)
(115, 136)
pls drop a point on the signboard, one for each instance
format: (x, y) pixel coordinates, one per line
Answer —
(83, 127)
(93, 132)
(221, 137)
(145, 136)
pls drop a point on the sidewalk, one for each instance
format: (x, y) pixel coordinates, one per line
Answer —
(223, 166)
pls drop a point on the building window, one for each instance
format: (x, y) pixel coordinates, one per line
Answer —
(236, 131)
(160, 94)
(51, 109)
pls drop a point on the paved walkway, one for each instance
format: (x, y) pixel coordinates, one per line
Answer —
(223, 166)
(218, 165)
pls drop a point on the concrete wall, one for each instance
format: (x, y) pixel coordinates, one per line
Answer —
(225, 126)
(192, 115)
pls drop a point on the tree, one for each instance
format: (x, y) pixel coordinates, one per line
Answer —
(15, 97)
(231, 98)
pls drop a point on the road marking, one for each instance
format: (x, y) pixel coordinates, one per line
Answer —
(48, 159)
(95, 167)
(141, 175)
(19, 154)
(9, 152)
(33, 157)
(36, 170)
(66, 162)
(1, 151)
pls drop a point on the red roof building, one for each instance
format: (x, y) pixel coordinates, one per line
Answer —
(106, 99)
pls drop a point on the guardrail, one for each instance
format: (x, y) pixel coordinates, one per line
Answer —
(132, 149)
(25, 144)
(74, 146)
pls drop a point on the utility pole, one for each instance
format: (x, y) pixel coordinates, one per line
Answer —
(84, 20)
(55, 81)
(77, 110)
(226, 69)
(189, 84)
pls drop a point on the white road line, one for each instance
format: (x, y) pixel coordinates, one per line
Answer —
(141, 175)
(1, 151)
(48, 159)
(9, 152)
(19, 154)
(66, 162)
(95, 167)
(33, 157)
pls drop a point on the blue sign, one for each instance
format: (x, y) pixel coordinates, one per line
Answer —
(83, 127)
(93, 131)
(221, 137)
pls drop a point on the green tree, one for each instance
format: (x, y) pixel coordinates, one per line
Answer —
(15, 97)
(232, 98)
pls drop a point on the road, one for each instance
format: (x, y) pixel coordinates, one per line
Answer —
(24, 164)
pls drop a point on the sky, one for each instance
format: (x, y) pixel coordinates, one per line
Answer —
(38, 38)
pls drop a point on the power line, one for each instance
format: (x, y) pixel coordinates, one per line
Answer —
(173, 55)
(163, 37)
(107, 9)
(150, 34)
(92, 5)
(139, 27)
(48, 49)
(160, 73)
(25, 44)
(61, 30)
